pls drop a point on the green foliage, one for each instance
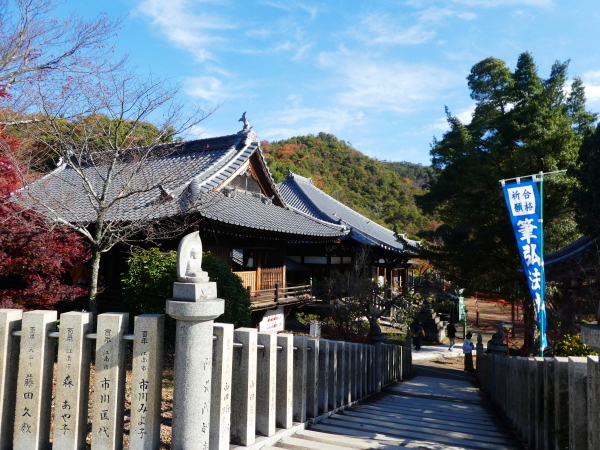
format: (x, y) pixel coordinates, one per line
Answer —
(587, 192)
(230, 288)
(148, 283)
(384, 192)
(571, 345)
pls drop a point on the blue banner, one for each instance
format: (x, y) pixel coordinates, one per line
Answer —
(524, 204)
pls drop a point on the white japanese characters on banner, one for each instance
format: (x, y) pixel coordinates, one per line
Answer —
(523, 203)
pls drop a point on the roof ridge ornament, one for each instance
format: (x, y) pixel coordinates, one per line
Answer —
(246, 122)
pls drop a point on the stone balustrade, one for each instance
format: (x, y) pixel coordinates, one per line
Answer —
(231, 386)
(551, 403)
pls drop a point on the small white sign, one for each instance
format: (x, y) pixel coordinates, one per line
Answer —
(273, 322)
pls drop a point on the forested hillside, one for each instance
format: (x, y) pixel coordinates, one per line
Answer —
(382, 191)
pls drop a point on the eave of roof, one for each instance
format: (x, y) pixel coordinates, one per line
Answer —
(300, 194)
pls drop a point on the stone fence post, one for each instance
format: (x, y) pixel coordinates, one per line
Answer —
(194, 306)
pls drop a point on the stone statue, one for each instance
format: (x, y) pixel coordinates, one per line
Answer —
(189, 260)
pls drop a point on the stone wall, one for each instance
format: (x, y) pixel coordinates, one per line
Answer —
(231, 386)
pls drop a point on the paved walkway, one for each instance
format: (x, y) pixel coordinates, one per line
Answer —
(436, 409)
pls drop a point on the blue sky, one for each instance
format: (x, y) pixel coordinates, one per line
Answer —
(377, 74)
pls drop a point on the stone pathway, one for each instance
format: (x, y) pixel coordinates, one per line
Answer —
(426, 412)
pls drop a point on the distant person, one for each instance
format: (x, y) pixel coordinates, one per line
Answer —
(418, 334)
(451, 332)
(468, 351)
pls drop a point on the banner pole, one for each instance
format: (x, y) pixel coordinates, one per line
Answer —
(541, 220)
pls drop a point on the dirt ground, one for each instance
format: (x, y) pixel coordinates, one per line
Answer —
(492, 311)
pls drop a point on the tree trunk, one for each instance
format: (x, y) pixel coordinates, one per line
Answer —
(93, 288)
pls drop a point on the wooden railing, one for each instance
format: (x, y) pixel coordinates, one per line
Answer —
(278, 294)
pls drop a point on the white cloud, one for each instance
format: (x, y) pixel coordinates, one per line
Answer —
(486, 3)
(441, 124)
(288, 5)
(591, 81)
(298, 121)
(385, 85)
(185, 27)
(379, 28)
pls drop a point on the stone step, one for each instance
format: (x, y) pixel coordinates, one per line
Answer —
(424, 415)
(427, 422)
(461, 433)
(380, 429)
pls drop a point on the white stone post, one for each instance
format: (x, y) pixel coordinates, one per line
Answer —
(312, 377)
(220, 403)
(34, 382)
(333, 375)
(266, 384)
(109, 382)
(593, 401)
(193, 362)
(72, 381)
(243, 414)
(285, 381)
(195, 306)
(146, 381)
(324, 376)
(10, 320)
(577, 403)
(300, 355)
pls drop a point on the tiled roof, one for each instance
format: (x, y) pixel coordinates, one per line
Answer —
(164, 181)
(573, 252)
(299, 193)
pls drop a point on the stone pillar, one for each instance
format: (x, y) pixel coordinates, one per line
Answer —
(361, 370)
(341, 372)
(561, 403)
(408, 362)
(300, 371)
(10, 320)
(512, 411)
(378, 367)
(333, 375)
(313, 382)
(146, 381)
(34, 381)
(577, 403)
(323, 376)
(348, 372)
(285, 381)
(522, 390)
(593, 401)
(549, 370)
(73, 380)
(243, 414)
(266, 379)
(194, 306)
(539, 403)
(109, 381)
(220, 400)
